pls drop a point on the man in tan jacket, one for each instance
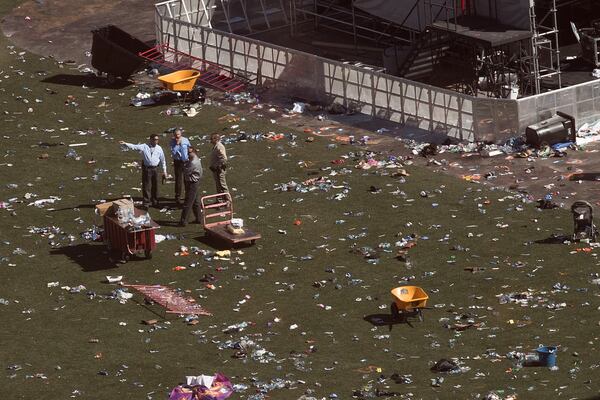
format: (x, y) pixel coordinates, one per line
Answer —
(218, 163)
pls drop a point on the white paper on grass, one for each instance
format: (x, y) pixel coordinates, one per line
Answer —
(43, 202)
(204, 380)
(114, 278)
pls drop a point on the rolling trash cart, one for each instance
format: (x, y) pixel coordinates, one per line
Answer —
(217, 213)
(129, 240)
(409, 301)
(115, 52)
(583, 221)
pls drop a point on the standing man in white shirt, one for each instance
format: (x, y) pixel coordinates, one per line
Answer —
(153, 157)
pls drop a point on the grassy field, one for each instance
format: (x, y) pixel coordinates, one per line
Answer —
(55, 344)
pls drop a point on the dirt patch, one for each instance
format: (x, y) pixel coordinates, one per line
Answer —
(62, 29)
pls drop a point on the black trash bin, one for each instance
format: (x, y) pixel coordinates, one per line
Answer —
(115, 52)
(558, 129)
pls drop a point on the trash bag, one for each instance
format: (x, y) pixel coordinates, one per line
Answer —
(546, 203)
(445, 365)
(429, 150)
(336, 108)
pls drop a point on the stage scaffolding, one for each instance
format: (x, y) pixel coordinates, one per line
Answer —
(203, 29)
(544, 43)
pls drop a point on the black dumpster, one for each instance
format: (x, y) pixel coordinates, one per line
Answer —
(115, 52)
(558, 129)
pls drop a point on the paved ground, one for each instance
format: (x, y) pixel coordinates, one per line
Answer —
(62, 30)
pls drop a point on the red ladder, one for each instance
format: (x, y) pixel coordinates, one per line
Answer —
(212, 74)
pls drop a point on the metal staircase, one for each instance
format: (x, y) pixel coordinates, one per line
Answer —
(425, 55)
(243, 16)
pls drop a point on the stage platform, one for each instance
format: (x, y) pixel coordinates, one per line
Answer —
(485, 31)
(574, 68)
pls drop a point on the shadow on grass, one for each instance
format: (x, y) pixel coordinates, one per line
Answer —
(89, 80)
(167, 222)
(91, 257)
(221, 244)
(386, 319)
(165, 202)
(554, 239)
(150, 306)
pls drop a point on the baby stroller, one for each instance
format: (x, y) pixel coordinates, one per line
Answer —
(583, 221)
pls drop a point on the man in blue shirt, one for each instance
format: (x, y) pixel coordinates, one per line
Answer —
(153, 157)
(179, 151)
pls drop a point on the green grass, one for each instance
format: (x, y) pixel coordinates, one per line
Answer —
(47, 330)
(8, 5)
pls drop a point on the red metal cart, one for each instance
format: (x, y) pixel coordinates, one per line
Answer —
(127, 239)
(218, 209)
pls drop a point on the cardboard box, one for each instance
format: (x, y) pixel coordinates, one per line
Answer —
(103, 208)
(126, 205)
(112, 207)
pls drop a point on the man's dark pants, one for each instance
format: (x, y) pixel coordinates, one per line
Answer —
(150, 184)
(178, 168)
(192, 202)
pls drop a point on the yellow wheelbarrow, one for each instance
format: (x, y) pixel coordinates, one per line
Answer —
(409, 301)
(183, 81)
